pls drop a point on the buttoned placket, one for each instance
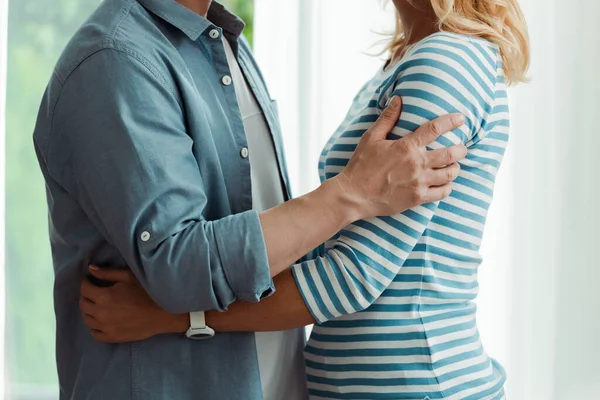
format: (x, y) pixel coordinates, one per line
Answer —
(215, 37)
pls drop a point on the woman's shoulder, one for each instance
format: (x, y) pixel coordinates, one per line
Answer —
(448, 73)
(462, 51)
(459, 41)
(445, 57)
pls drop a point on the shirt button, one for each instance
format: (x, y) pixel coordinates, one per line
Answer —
(244, 152)
(214, 33)
(226, 80)
(145, 236)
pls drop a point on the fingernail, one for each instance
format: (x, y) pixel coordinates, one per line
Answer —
(458, 118)
(393, 102)
(94, 268)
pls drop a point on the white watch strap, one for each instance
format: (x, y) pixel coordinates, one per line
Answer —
(197, 320)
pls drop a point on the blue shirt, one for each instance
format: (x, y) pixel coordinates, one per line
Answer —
(143, 150)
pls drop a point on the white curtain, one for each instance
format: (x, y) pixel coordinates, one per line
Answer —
(3, 55)
(539, 313)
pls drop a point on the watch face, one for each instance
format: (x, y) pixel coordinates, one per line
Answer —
(205, 333)
(200, 336)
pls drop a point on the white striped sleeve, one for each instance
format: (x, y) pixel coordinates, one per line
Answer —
(439, 77)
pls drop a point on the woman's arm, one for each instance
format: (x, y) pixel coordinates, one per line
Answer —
(282, 311)
(124, 312)
(441, 76)
(368, 254)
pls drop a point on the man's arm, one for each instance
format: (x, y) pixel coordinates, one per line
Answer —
(120, 147)
(383, 177)
(125, 312)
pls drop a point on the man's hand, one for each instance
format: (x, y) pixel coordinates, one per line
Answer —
(124, 312)
(383, 178)
(387, 177)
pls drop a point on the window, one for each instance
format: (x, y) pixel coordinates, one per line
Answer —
(38, 30)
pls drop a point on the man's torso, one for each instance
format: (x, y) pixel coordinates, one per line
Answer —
(179, 47)
(280, 358)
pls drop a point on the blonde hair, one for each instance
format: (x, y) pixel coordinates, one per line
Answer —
(499, 21)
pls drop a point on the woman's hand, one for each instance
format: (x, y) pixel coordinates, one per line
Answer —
(124, 312)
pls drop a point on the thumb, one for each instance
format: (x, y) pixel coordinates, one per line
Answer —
(110, 274)
(387, 120)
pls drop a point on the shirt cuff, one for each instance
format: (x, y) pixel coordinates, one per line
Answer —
(243, 255)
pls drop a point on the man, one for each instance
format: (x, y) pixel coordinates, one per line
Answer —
(161, 152)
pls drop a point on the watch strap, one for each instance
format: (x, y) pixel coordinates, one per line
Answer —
(197, 320)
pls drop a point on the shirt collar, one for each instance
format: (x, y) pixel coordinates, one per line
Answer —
(192, 24)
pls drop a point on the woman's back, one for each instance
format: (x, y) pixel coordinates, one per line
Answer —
(396, 314)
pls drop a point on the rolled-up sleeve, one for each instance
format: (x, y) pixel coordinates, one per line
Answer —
(121, 149)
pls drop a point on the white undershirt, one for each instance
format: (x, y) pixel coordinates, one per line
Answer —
(280, 357)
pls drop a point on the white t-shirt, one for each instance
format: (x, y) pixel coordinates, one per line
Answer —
(280, 357)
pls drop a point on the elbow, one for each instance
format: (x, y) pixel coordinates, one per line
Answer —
(175, 299)
(179, 290)
(197, 270)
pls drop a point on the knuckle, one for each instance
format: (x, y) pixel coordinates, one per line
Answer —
(436, 127)
(448, 156)
(387, 114)
(412, 164)
(456, 171)
(384, 119)
(452, 173)
(404, 147)
(449, 174)
(447, 191)
(420, 194)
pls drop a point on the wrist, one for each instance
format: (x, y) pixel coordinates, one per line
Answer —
(212, 319)
(348, 204)
(175, 323)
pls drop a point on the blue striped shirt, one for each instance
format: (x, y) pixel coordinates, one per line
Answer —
(393, 296)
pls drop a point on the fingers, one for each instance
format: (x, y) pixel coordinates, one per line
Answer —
(101, 336)
(429, 132)
(446, 156)
(92, 323)
(387, 120)
(437, 193)
(443, 176)
(88, 309)
(91, 291)
(87, 306)
(111, 274)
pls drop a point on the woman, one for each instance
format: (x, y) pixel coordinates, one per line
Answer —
(392, 297)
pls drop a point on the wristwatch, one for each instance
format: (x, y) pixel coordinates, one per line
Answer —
(198, 329)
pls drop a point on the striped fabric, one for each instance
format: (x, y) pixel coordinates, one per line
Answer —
(393, 296)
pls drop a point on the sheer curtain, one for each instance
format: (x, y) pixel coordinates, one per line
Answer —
(538, 307)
